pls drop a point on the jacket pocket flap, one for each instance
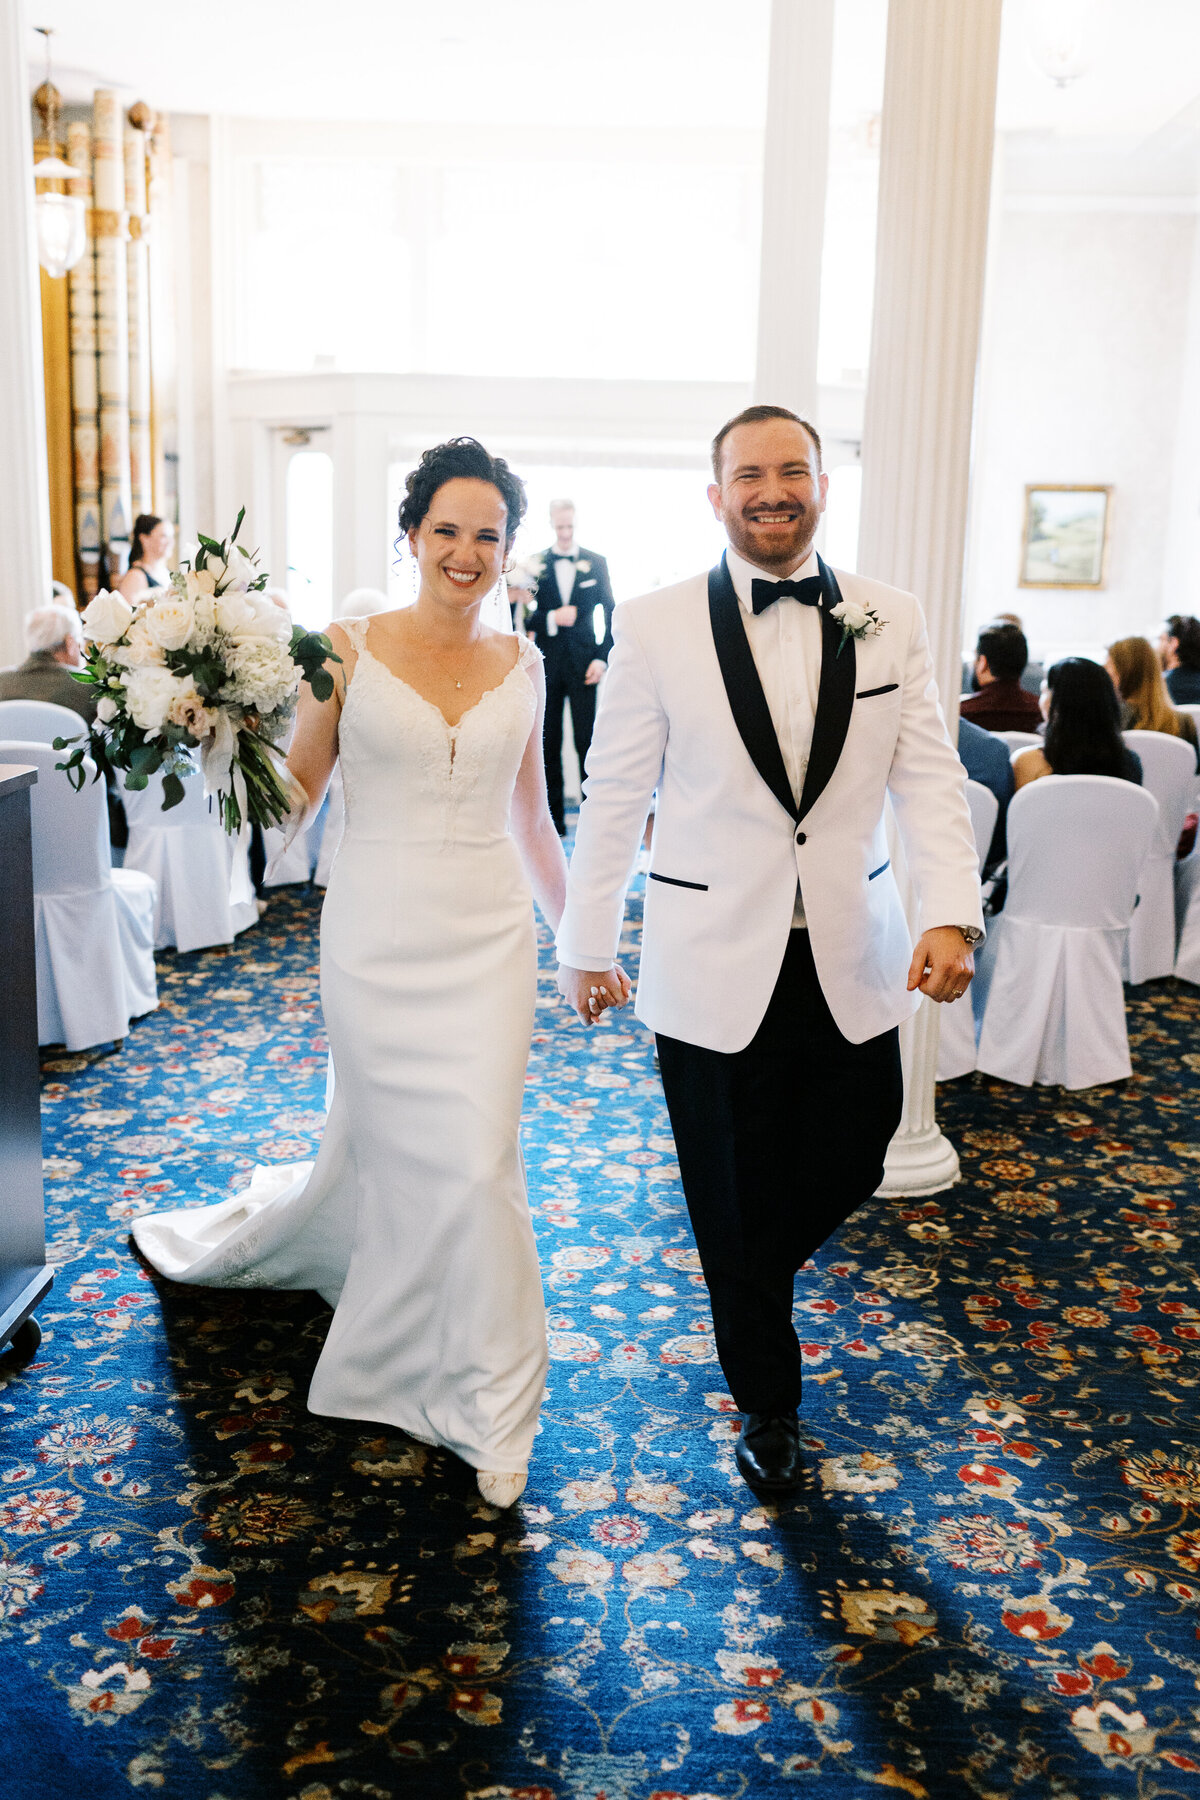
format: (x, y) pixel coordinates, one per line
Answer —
(889, 687)
(674, 881)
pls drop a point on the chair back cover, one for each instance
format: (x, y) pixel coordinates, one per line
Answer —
(144, 806)
(1169, 773)
(956, 1035)
(38, 721)
(93, 939)
(70, 830)
(1050, 991)
(1018, 740)
(204, 894)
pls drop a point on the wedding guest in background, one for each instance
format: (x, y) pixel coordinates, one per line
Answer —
(1138, 678)
(1034, 672)
(1083, 728)
(149, 547)
(986, 760)
(571, 583)
(1001, 704)
(1179, 653)
(54, 642)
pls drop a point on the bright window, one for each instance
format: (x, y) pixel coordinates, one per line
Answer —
(310, 538)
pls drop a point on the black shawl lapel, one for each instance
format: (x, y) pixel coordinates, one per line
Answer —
(747, 702)
(835, 696)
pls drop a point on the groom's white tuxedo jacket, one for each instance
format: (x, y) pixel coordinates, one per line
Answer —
(683, 712)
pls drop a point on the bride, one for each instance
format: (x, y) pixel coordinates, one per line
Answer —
(413, 1222)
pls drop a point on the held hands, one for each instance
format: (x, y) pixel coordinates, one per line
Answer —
(594, 671)
(592, 991)
(565, 616)
(942, 965)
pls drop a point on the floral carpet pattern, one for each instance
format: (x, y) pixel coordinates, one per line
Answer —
(988, 1586)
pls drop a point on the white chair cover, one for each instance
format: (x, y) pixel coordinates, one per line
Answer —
(1018, 740)
(956, 1035)
(1169, 773)
(332, 827)
(1187, 914)
(1193, 712)
(38, 722)
(205, 896)
(1052, 1003)
(93, 924)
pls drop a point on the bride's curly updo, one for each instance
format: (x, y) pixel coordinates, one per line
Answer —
(460, 459)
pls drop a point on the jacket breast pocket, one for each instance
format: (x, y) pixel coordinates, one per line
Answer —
(701, 887)
(889, 687)
(591, 583)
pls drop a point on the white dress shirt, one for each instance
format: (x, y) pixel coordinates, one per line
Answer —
(564, 574)
(785, 642)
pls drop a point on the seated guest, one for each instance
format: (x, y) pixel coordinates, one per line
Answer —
(987, 761)
(1083, 728)
(1001, 704)
(1179, 653)
(149, 548)
(1138, 679)
(54, 641)
(1034, 673)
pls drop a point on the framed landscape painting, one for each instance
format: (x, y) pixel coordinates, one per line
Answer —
(1065, 543)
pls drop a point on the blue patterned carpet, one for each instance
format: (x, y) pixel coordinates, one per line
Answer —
(990, 1585)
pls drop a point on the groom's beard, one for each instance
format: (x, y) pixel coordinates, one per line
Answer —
(779, 550)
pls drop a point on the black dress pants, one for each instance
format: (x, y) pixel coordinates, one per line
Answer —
(777, 1144)
(565, 682)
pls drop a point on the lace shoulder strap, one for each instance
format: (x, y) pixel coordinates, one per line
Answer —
(528, 652)
(356, 631)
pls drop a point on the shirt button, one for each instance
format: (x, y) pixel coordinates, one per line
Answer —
(801, 838)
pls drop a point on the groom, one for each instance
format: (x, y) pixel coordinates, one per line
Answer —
(774, 706)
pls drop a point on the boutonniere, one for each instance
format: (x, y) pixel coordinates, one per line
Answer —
(857, 621)
(583, 565)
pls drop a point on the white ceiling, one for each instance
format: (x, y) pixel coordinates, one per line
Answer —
(559, 63)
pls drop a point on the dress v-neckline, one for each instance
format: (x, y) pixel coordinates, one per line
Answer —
(365, 650)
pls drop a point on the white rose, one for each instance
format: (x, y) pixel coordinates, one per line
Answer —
(150, 694)
(106, 710)
(106, 618)
(139, 649)
(170, 622)
(199, 581)
(851, 614)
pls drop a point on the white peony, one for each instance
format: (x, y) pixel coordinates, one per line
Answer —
(249, 616)
(150, 694)
(198, 582)
(170, 621)
(106, 618)
(106, 710)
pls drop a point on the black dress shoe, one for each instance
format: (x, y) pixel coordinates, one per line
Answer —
(768, 1452)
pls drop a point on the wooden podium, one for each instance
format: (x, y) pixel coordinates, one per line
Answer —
(24, 1275)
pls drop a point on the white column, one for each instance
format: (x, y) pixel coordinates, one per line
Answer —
(795, 169)
(934, 186)
(24, 479)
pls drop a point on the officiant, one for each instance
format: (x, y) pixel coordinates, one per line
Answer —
(569, 616)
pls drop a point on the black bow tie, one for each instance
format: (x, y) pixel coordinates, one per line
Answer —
(563, 555)
(765, 593)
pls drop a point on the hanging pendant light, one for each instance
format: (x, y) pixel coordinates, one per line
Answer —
(1062, 38)
(61, 218)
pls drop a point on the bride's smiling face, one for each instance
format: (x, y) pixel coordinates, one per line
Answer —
(461, 543)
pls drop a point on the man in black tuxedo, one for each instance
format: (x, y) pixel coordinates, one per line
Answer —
(561, 618)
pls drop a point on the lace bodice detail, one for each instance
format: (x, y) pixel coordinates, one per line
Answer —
(408, 775)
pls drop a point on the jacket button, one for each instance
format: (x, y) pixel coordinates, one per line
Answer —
(801, 838)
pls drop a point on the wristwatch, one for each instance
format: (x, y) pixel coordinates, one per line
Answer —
(972, 934)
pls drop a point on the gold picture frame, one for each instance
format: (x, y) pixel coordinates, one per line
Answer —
(1064, 541)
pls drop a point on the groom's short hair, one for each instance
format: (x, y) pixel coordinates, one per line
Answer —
(754, 415)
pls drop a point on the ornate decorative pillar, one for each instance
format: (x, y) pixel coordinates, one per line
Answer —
(138, 274)
(112, 327)
(56, 352)
(795, 169)
(22, 417)
(934, 186)
(85, 393)
(164, 432)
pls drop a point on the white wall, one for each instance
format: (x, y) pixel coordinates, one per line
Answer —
(1088, 317)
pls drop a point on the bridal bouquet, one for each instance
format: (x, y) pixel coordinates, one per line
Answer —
(210, 664)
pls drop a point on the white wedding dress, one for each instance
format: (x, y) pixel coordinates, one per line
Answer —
(413, 1222)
